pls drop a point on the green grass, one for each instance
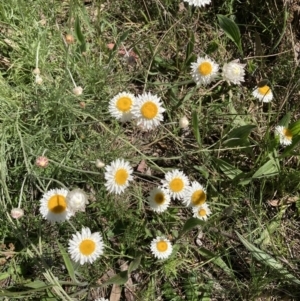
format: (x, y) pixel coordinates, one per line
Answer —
(250, 244)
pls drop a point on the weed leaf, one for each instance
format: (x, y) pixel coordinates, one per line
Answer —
(217, 260)
(238, 136)
(79, 35)
(231, 30)
(119, 279)
(267, 260)
(229, 170)
(269, 169)
(190, 224)
(134, 264)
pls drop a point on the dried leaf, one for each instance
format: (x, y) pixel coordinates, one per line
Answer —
(142, 166)
(129, 289)
(115, 294)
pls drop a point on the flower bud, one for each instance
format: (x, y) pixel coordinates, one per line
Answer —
(17, 213)
(38, 80)
(36, 71)
(99, 163)
(77, 91)
(69, 39)
(183, 122)
(42, 161)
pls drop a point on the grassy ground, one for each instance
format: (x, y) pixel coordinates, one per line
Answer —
(249, 247)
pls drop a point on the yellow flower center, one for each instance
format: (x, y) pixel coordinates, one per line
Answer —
(162, 246)
(198, 197)
(205, 68)
(159, 198)
(57, 204)
(287, 134)
(236, 70)
(264, 90)
(202, 212)
(87, 247)
(121, 176)
(124, 104)
(176, 185)
(149, 110)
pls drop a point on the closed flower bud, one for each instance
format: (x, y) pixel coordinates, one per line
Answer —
(69, 39)
(183, 122)
(99, 163)
(77, 91)
(38, 80)
(17, 213)
(42, 161)
(36, 71)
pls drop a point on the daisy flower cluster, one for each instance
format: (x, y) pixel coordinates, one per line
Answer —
(146, 109)
(176, 186)
(59, 205)
(205, 70)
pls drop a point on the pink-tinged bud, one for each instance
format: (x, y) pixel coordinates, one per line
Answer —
(69, 39)
(42, 161)
(17, 213)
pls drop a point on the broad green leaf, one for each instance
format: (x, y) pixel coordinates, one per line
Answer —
(269, 169)
(4, 276)
(195, 125)
(36, 284)
(238, 136)
(79, 35)
(232, 31)
(285, 120)
(134, 264)
(119, 279)
(295, 127)
(67, 262)
(265, 238)
(288, 149)
(189, 54)
(217, 260)
(190, 224)
(229, 170)
(268, 260)
(241, 132)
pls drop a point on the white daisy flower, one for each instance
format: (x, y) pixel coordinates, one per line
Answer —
(198, 2)
(285, 135)
(204, 71)
(148, 111)
(54, 207)
(117, 176)
(234, 72)
(159, 199)
(77, 200)
(161, 247)
(202, 212)
(176, 182)
(101, 299)
(85, 246)
(263, 93)
(121, 105)
(195, 195)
